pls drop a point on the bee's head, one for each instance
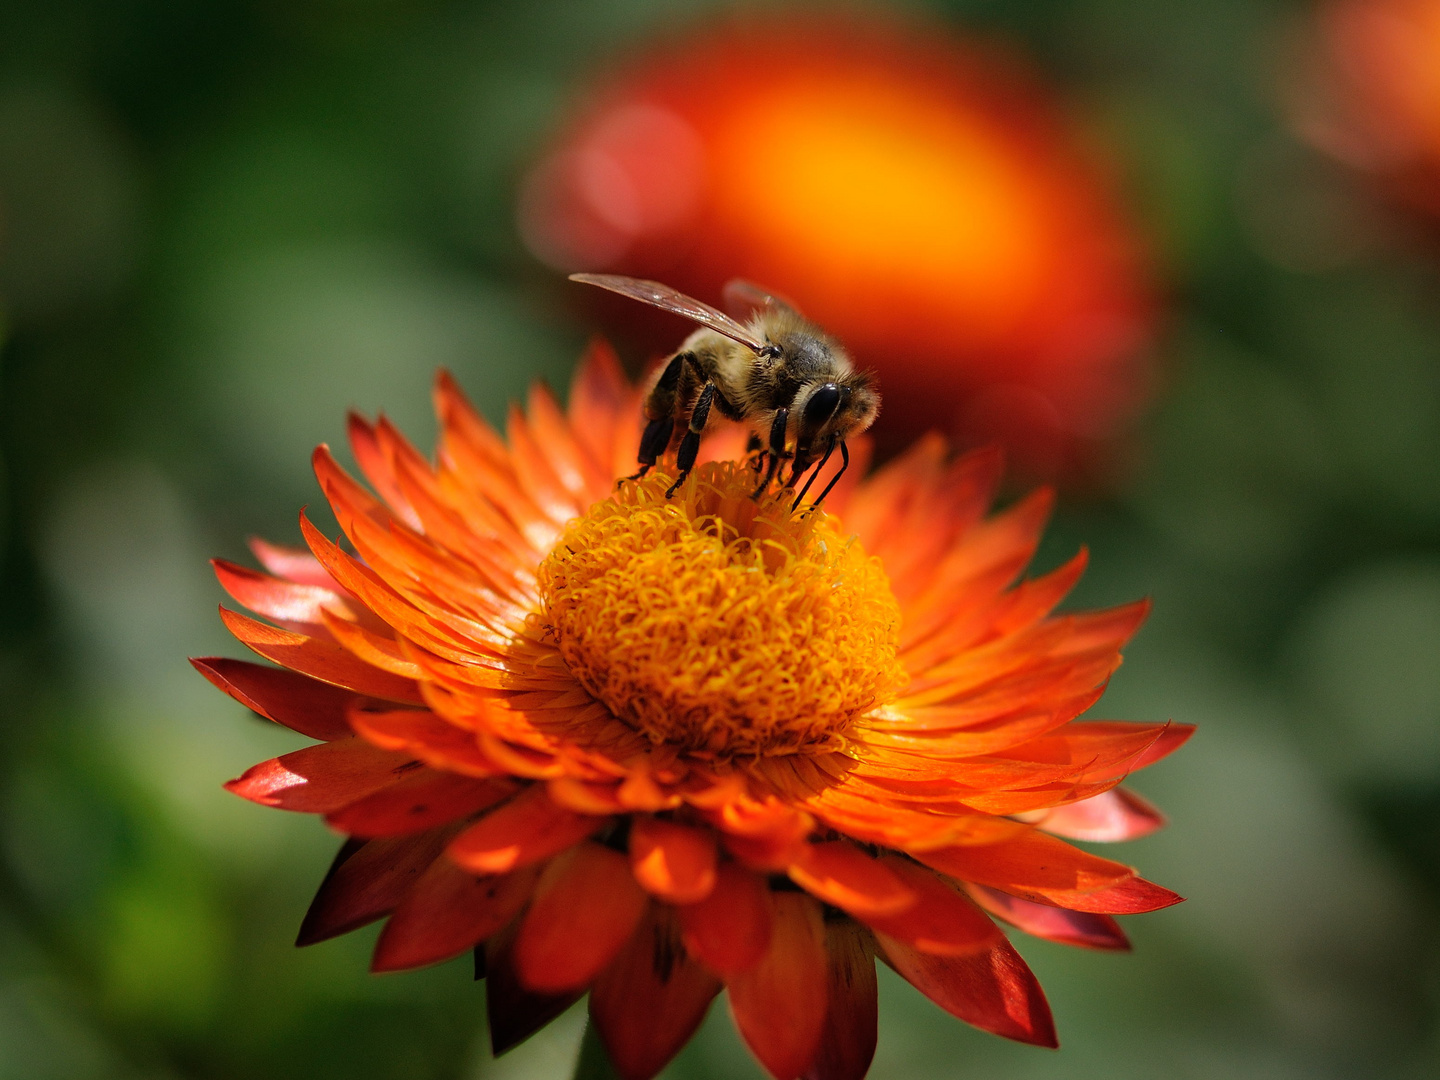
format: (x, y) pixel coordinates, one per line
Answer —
(839, 408)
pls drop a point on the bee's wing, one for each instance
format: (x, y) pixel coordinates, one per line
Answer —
(744, 298)
(668, 299)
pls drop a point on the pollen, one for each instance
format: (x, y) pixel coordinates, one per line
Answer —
(719, 625)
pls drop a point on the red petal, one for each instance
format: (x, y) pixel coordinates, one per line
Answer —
(993, 990)
(369, 884)
(585, 908)
(420, 801)
(675, 862)
(841, 874)
(514, 1012)
(447, 912)
(729, 931)
(299, 702)
(1133, 896)
(1033, 865)
(1171, 739)
(320, 660)
(648, 1003)
(1111, 816)
(1081, 928)
(322, 778)
(1098, 748)
(780, 1004)
(942, 920)
(525, 830)
(847, 1043)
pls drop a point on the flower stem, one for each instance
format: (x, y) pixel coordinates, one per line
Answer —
(594, 1062)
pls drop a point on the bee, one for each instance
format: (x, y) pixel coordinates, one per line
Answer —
(792, 383)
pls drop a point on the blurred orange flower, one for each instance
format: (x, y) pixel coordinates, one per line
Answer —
(648, 747)
(919, 196)
(1371, 95)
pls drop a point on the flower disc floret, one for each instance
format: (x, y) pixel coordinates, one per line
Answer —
(719, 625)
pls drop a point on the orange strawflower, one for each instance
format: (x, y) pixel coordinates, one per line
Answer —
(647, 748)
(1371, 94)
(918, 193)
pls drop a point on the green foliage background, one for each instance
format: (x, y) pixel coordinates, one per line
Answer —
(224, 222)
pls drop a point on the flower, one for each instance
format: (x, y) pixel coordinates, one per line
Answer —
(919, 195)
(649, 747)
(1371, 94)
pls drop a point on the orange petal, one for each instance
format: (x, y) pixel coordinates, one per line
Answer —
(322, 778)
(292, 564)
(841, 874)
(988, 737)
(422, 800)
(585, 908)
(942, 921)
(425, 736)
(1111, 816)
(994, 990)
(377, 467)
(766, 835)
(847, 1043)
(601, 401)
(528, 828)
(514, 1011)
(381, 651)
(583, 796)
(369, 883)
(649, 1001)
(674, 862)
(320, 660)
(581, 473)
(1052, 923)
(534, 468)
(729, 931)
(283, 601)
(297, 701)
(780, 1004)
(446, 912)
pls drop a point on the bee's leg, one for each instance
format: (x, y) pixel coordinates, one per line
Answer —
(660, 408)
(777, 449)
(690, 444)
(844, 464)
(830, 449)
(755, 451)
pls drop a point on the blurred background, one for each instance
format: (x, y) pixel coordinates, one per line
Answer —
(1179, 255)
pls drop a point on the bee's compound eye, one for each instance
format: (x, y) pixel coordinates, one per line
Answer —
(822, 405)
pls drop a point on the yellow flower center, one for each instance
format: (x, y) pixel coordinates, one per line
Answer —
(719, 625)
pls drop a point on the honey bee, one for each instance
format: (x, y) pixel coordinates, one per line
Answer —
(793, 384)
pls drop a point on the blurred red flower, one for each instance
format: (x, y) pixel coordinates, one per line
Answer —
(1371, 93)
(918, 195)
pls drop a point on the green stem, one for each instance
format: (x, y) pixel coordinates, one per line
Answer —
(594, 1062)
